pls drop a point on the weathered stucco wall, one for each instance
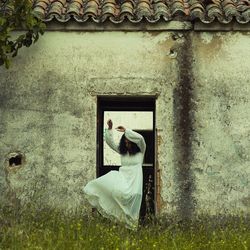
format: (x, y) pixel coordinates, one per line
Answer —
(221, 145)
(48, 107)
(201, 80)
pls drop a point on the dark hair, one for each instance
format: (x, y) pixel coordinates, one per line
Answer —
(123, 149)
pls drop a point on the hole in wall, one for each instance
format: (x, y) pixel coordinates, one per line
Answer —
(172, 53)
(14, 160)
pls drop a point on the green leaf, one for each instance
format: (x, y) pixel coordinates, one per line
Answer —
(1, 61)
(2, 21)
(19, 44)
(18, 14)
(20, 38)
(7, 63)
(15, 53)
(36, 36)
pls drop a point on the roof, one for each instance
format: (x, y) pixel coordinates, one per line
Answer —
(135, 11)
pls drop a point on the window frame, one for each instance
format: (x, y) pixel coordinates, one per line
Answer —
(120, 103)
(128, 103)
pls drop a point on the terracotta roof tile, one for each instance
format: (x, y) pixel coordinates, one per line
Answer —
(135, 11)
(161, 10)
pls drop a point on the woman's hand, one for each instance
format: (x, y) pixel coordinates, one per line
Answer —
(110, 124)
(120, 129)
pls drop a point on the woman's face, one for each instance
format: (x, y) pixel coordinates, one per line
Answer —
(127, 143)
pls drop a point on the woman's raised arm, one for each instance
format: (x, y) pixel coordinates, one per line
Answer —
(136, 138)
(109, 137)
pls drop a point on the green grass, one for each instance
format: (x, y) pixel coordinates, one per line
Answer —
(54, 230)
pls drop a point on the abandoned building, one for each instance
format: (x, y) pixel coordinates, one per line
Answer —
(177, 71)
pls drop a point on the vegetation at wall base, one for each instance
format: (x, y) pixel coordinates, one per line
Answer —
(17, 15)
(50, 229)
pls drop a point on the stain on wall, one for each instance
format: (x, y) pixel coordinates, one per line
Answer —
(183, 122)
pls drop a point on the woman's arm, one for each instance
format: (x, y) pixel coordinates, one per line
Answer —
(109, 137)
(110, 140)
(136, 138)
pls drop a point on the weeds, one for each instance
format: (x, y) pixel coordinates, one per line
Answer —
(50, 229)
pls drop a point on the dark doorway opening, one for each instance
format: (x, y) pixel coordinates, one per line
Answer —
(131, 110)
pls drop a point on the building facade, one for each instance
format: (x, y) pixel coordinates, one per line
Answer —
(191, 60)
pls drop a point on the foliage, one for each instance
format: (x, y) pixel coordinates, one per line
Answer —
(17, 15)
(46, 229)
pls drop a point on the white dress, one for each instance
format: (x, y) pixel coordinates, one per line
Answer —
(118, 194)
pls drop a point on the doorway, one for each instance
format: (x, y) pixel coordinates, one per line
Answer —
(137, 113)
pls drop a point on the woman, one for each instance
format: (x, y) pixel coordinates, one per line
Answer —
(117, 195)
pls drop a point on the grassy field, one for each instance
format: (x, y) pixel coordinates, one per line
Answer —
(53, 230)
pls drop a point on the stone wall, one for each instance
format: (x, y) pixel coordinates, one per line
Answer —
(201, 82)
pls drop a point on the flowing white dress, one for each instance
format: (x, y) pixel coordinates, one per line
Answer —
(118, 194)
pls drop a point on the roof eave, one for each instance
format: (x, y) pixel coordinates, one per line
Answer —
(124, 26)
(217, 26)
